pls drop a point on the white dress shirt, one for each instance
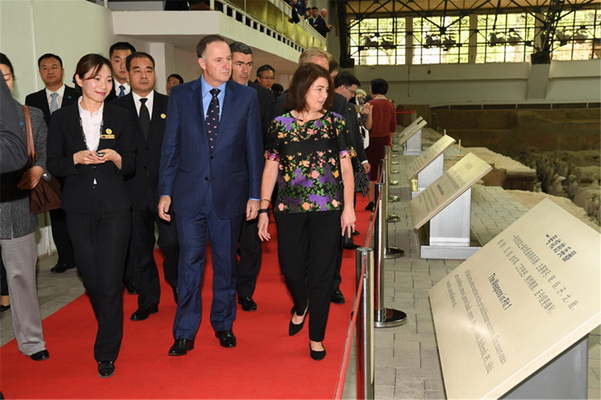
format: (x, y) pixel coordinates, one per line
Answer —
(149, 102)
(91, 124)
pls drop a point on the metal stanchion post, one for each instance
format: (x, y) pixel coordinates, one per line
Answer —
(365, 330)
(388, 157)
(384, 166)
(385, 317)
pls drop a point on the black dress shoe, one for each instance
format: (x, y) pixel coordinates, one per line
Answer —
(40, 355)
(356, 233)
(60, 268)
(351, 246)
(143, 312)
(370, 206)
(181, 347)
(337, 297)
(293, 328)
(4, 308)
(106, 369)
(226, 338)
(317, 355)
(247, 303)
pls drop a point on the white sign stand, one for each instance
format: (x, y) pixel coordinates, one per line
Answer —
(446, 203)
(429, 166)
(510, 319)
(411, 138)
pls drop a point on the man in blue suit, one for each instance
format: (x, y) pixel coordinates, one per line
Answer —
(210, 178)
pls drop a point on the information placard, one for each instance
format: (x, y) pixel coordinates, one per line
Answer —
(447, 188)
(408, 133)
(421, 162)
(519, 302)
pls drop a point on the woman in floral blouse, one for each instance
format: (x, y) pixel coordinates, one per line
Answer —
(306, 153)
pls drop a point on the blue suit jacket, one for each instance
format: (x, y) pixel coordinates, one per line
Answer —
(233, 170)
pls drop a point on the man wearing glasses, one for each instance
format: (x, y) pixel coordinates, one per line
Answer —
(266, 76)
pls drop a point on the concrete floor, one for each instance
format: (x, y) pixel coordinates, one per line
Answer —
(406, 357)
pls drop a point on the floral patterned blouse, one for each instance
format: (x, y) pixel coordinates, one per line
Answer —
(309, 178)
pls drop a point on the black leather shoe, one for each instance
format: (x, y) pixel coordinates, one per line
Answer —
(226, 338)
(351, 246)
(4, 308)
(40, 355)
(106, 369)
(317, 355)
(247, 303)
(293, 328)
(60, 268)
(356, 233)
(143, 312)
(371, 206)
(337, 297)
(181, 347)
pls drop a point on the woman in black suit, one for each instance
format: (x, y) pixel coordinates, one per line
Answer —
(91, 144)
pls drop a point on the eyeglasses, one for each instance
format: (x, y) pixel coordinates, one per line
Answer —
(268, 78)
(353, 92)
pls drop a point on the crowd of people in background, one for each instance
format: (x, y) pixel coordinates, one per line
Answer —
(208, 162)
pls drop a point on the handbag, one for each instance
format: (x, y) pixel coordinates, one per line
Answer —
(46, 195)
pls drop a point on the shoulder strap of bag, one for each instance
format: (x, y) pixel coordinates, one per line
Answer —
(30, 144)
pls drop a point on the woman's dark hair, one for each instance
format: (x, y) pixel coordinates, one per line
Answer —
(90, 62)
(176, 76)
(302, 80)
(4, 60)
(379, 86)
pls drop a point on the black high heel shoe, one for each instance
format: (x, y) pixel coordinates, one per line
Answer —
(293, 328)
(317, 355)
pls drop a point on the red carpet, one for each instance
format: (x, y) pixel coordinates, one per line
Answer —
(266, 364)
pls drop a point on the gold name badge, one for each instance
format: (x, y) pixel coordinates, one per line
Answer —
(107, 136)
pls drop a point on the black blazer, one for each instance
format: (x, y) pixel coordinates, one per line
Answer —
(148, 155)
(39, 100)
(66, 138)
(266, 106)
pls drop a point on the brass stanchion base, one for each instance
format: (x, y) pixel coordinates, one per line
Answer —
(389, 317)
(393, 199)
(393, 252)
(393, 218)
(394, 162)
(394, 183)
(395, 171)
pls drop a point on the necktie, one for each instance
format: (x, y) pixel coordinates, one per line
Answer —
(212, 118)
(144, 117)
(121, 91)
(53, 102)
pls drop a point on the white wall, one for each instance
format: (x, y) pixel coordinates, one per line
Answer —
(568, 81)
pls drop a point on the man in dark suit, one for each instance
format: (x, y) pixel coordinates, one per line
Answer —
(210, 174)
(250, 244)
(54, 96)
(148, 110)
(118, 53)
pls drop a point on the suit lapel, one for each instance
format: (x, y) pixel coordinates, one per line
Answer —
(158, 114)
(196, 101)
(76, 129)
(129, 99)
(44, 102)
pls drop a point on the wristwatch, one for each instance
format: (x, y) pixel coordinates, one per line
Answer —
(46, 176)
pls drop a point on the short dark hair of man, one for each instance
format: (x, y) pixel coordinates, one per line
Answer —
(379, 86)
(201, 47)
(303, 78)
(345, 78)
(49, 55)
(239, 47)
(121, 46)
(137, 54)
(264, 68)
(334, 65)
(176, 76)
